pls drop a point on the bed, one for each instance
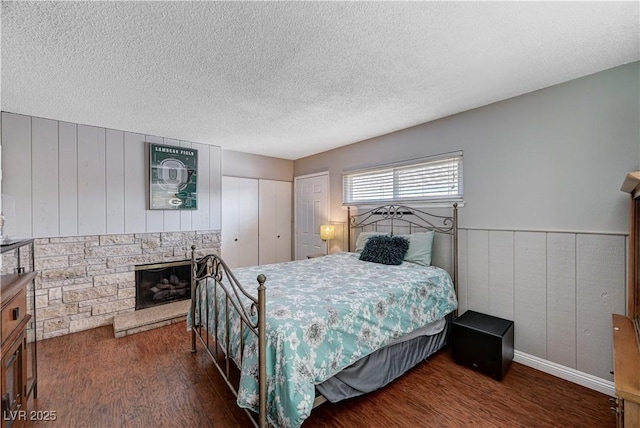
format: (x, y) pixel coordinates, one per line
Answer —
(328, 327)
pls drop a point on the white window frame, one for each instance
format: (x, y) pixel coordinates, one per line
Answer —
(430, 180)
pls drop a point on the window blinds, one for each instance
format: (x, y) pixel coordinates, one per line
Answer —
(432, 179)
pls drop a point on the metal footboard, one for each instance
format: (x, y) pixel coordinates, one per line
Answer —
(252, 316)
(212, 268)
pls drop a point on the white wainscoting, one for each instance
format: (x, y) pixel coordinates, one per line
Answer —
(69, 179)
(559, 288)
(563, 372)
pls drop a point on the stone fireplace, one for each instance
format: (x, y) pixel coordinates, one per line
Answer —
(162, 283)
(85, 281)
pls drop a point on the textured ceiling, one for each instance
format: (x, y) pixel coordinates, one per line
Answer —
(290, 79)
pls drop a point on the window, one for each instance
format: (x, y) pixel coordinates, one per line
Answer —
(432, 179)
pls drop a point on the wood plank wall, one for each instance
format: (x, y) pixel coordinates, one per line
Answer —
(560, 289)
(69, 179)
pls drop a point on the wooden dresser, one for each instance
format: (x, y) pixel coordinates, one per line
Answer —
(18, 355)
(626, 372)
(626, 329)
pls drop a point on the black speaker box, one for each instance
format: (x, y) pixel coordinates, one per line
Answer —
(483, 342)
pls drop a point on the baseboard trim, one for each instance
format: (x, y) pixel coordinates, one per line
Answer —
(567, 373)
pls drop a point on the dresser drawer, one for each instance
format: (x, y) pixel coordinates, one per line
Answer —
(13, 312)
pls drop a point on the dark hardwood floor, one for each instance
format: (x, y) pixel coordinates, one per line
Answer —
(151, 379)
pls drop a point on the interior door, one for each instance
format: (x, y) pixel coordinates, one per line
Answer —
(312, 208)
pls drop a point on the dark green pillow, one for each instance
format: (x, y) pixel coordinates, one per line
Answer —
(388, 250)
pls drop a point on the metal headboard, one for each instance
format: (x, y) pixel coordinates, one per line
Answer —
(415, 220)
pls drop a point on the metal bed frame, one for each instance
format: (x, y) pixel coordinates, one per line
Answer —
(413, 219)
(212, 267)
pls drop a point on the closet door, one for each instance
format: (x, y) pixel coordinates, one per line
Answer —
(284, 225)
(239, 221)
(275, 221)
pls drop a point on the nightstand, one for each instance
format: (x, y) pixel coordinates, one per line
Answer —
(313, 256)
(483, 343)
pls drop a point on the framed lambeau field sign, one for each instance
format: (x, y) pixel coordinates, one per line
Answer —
(174, 176)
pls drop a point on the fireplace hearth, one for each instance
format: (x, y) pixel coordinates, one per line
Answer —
(161, 283)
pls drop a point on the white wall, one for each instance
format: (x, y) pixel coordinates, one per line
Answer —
(560, 289)
(69, 180)
(543, 230)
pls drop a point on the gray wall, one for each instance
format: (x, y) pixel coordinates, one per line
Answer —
(238, 164)
(553, 159)
(542, 238)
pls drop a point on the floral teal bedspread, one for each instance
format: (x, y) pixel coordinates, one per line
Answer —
(323, 314)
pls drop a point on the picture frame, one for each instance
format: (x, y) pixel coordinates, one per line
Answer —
(173, 177)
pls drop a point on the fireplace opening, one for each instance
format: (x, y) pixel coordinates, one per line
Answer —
(161, 283)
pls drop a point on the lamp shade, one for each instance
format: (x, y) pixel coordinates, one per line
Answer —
(327, 231)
